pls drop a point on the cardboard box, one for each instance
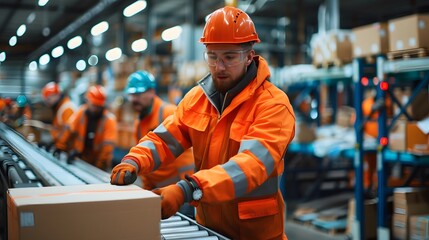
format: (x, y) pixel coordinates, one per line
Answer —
(98, 211)
(332, 47)
(370, 227)
(418, 109)
(397, 136)
(409, 32)
(419, 227)
(370, 40)
(345, 116)
(417, 141)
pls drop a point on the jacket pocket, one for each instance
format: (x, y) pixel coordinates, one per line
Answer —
(257, 208)
(196, 121)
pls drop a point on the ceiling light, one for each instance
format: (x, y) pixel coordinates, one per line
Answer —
(32, 66)
(99, 28)
(81, 65)
(46, 31)
(43, 2)
(134, 8)
(21, 30)
(31, 17)
(171, 33)
(44, 59)
(57, 52)
(74, 42)
(12, 41)
(93, 60)
(139, 45)
(2, 56)
(113, 54)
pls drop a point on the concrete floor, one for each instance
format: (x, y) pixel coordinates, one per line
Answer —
(295, 231)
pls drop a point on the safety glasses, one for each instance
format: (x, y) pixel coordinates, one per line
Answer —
(229, 58)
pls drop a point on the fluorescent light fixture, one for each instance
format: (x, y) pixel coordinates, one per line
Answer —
(171, 33)
(32, 66)
(2, 56)
(21, 30)
(93, 60)
(113, 54)
(74, 42)
(139, 45)
(81, 65)
(43, 2)
(44, 59)
(13, 40)
(134, 8)
(99, 28)
(31, 17)
(57, 52)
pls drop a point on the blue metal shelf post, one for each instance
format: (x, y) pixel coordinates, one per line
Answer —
(382, 230)
(358, 223)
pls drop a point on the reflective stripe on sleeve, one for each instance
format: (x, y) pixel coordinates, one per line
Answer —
(171, 142)
(269, 187)
(262, 153)
(151, 146)
(237, 176)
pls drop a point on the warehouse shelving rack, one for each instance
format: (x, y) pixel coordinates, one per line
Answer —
(407, 70)
(309, 83)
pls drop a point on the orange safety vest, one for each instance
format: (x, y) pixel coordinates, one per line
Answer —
(63, 112)
(238, 154)
(104, 140)
(173, 171)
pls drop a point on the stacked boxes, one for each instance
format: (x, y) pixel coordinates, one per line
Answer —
(409, 32)
(419, 227)
(406, 203)
(331, 48)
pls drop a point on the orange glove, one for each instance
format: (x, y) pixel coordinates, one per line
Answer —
(172, 198)
(124, 173)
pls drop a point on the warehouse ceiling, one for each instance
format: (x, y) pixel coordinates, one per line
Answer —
(56, 22)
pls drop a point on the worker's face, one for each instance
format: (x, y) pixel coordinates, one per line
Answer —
(94, 109)
(140, 101)
(228, 63)
(51, 100)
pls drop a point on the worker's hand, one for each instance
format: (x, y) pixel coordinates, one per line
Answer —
(73, 154)
(172, 198)
(124, 173)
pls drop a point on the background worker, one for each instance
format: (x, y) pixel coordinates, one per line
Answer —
(152, 110)
(92, 131)
(17, 112)
(63, 108)
(239, 125)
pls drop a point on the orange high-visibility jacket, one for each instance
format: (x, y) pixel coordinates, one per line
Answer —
(63, 112)
(239, 154)
(171, 172)
(104, 140)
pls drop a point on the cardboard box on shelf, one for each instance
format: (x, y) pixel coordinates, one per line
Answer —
(419, 227)
(370, 227)
(345, 116)
(417, 139)
(397, 136)
(406, 203)
(370, 40)
(418, 109)
(98, 211)
(331, 48)
(409, 32)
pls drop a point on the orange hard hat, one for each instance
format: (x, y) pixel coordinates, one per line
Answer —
(229, 25)
(96, 95)
(50, 89)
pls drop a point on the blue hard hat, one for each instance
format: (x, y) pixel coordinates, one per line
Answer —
(21, 100)
(140, 82)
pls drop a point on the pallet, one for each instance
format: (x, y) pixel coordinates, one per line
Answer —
(407, 53)
(331, 227)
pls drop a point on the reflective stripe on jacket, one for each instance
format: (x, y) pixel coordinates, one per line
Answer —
(104, 140)
(173, 171)
(239, 155)
(64, 111)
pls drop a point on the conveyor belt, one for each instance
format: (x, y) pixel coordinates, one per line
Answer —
(28, 165)
(180, 227)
